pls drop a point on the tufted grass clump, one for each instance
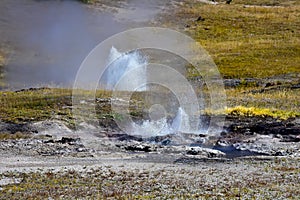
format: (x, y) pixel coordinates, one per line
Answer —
(286, 100)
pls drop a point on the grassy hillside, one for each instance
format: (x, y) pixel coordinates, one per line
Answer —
(249, 40)
(245, 38)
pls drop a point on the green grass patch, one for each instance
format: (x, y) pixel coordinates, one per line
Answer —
(46, 103)
(53, 103)
(35, 105)
(253, 41)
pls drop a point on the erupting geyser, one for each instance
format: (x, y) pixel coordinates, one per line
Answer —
(134, 65)
(127, 73)
(161, 126)
(120, 64)
(152, 94)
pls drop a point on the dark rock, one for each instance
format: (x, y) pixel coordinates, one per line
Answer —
(192, 152)
(140, 147)
(64, 140)
(222, 143)
(124, 137)
(278, 136)
(70, 141)
(279, 153)
(296, 86)
(49, 136)
(206, 152)
(200, 19)
(32, 89)
(192, 160)
(290, 138)
(235, 151)
(49, 141)
(202, 135)
(260, 125)
(228, 83)
(166, 142)
(269, 84)
(14, 128)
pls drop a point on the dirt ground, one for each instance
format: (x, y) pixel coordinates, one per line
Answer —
(147, 175)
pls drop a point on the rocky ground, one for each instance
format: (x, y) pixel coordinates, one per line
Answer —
(247, 161)
(144, 177)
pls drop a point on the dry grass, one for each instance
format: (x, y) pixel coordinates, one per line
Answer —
(267, 2)
(261, 112)
(15, 136)
(286, 99)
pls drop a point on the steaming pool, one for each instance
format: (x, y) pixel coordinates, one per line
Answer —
(46, 41)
